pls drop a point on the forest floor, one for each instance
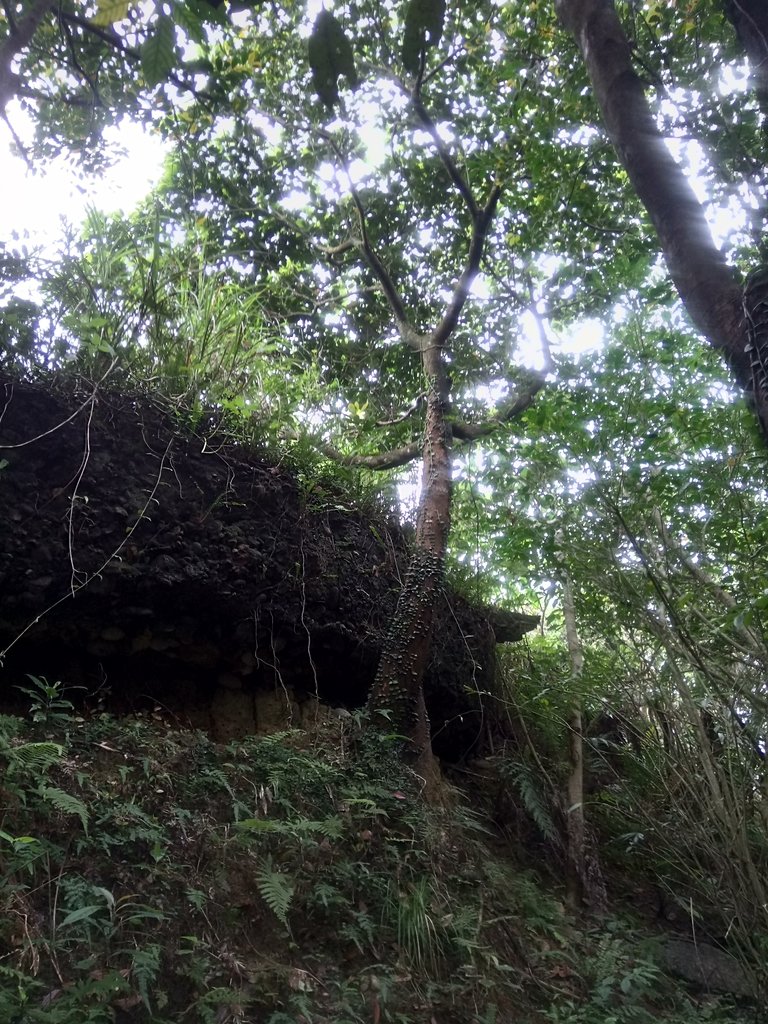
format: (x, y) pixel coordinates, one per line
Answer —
(151, 875)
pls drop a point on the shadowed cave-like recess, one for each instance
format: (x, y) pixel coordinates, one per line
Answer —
(159, 567)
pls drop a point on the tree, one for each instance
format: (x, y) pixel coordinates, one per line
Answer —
(707, 286)
(340, 289)
(397, 691)
(575, 838)
(76, 67)
(750, 21)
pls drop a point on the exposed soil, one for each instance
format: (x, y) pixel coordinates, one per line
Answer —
(148, 563)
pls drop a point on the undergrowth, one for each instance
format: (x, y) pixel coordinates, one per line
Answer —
(151, 875)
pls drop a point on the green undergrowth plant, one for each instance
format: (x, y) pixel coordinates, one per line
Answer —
(278, 878)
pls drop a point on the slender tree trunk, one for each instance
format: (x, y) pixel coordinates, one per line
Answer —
(397, 694)
(575, 845)
(706, 285)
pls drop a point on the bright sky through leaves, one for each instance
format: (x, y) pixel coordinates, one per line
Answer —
(41, 200)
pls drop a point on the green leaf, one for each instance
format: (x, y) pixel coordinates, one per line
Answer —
(330, 56)
(110, 11)
(18, 840)
(81, 914)
(193, 15)
(158, 52)
(261, 825)
(202, 10)
(33, 757)
(277, 892)
(424, 21)
(65, 802)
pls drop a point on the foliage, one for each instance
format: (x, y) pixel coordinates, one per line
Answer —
(330, 57)
(168, 905)
(277, 891)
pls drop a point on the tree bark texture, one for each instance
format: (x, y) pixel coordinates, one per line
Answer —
(706, 285)
(397, 689)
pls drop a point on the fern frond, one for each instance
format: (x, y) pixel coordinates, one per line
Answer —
(65, 802)
(277, 891)
(145, 967)
(33, 756)
(534, 800)
(329, 828)
(263, 825)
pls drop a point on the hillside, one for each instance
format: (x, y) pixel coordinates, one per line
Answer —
(152, 875)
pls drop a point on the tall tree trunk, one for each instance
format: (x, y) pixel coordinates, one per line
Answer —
(397, 694)
(575, 845)
(706, 285)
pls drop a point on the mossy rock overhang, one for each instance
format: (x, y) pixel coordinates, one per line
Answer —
(151, 563)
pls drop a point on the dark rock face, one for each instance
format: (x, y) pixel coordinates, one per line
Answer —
(706, 967)
(152, 564)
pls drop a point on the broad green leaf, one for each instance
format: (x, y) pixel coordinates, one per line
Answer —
(423, 28)
(330, 56)
(18, 840)
(193, 15)
(110, 11)
(81, 914)
(158, 54)
(202, 11)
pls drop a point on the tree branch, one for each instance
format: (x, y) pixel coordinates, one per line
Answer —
(338, 250)
(66, 28)
(391, 459)
(9, 15)
(509, 410)
(106, 35)
(20, 36)
(412, 408)
(22, 32)
(750, 21)
(407, 332)
(464, 433)
(112, 39)
(449, 163)
(460, 295)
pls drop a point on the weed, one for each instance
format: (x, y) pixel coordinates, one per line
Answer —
(47, 702)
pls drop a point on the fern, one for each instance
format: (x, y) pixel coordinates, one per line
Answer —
(277, 891)
(33, 757)
(328, 896)
(66, 803)
(263, 825)
(145, 968)
(533, 800)
(329, 828)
